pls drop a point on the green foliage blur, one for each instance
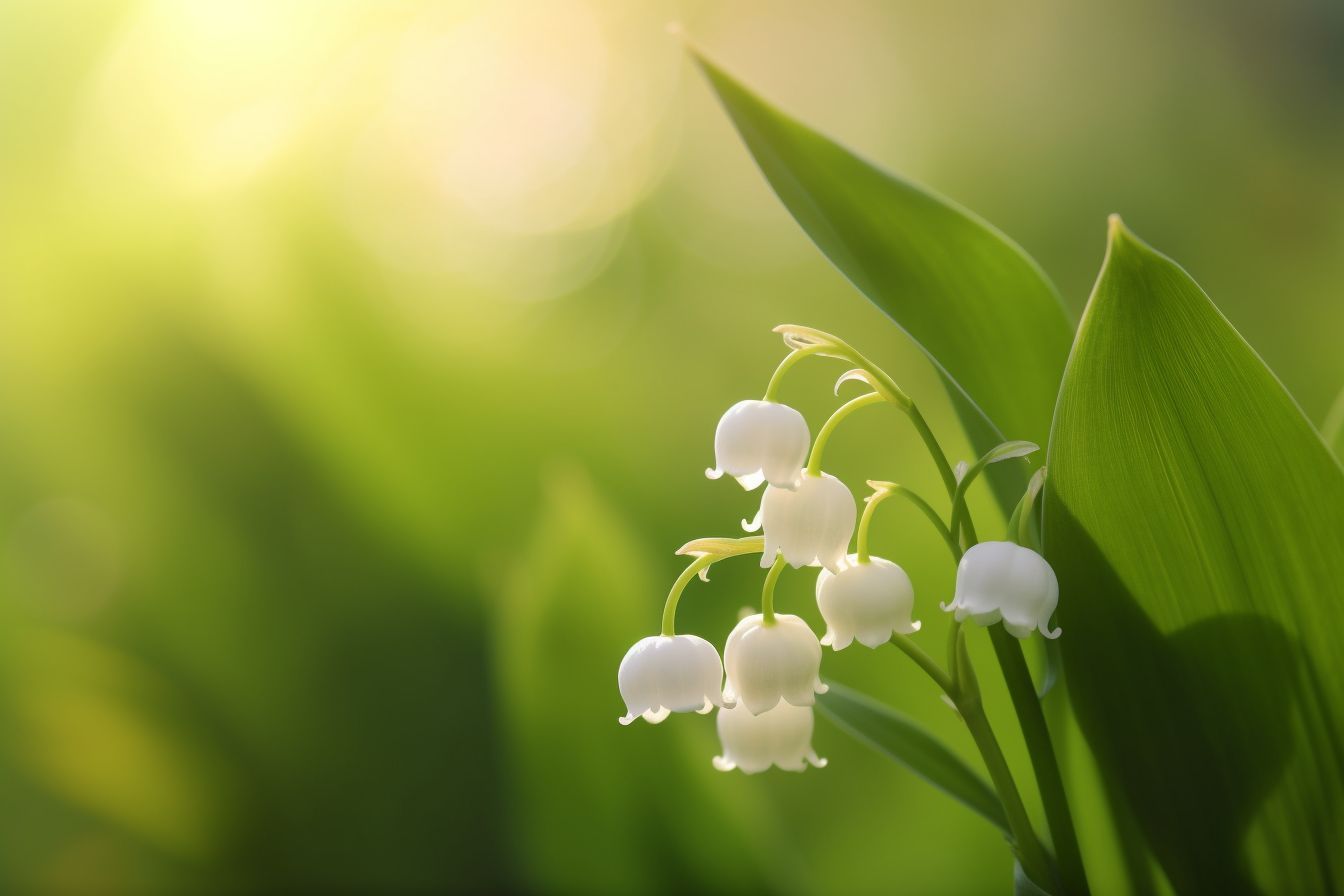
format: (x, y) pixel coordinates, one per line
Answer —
(359, 363)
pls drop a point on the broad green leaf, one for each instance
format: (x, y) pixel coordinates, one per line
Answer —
(904, 740)
(977, 305)
(1196, 521)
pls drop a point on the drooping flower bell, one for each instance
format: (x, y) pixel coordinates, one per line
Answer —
(665, 674)
(781, 737)
(865, 602)
(810, 526)
(761, 441)
(770, 663)
(1001, 580)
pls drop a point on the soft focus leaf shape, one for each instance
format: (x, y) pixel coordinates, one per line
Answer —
(581, 579)
(94, 727)
(978, 306)
(904, 740)
(1196, 522)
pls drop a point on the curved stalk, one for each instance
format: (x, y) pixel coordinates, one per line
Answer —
(674, 596)
(925, 662)
(961, 515)
(813, 341)
(768, 591)
(792, 358)
(707, 552)
(829, 427)
(935, 450)
(884, 490)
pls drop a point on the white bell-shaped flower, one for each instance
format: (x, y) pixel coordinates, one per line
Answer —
(811, 525)
(1000, 580)
(662, 674)
(761, 441)
(865, 602)
(770, 663)
(781, 737)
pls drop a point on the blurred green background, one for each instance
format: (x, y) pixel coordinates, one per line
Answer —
(359, 363)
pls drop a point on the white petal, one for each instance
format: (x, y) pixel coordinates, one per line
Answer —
(769, 663)
(1001, 580)
(866, 601)
(751, 481)
(781, 737)
(812, 524)
(758, 441)
(661, 675)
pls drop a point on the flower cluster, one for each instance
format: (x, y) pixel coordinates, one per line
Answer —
(766, 683)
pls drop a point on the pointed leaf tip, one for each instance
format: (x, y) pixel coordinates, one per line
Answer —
(1115, 228)
(1171, 519)
(970, 298)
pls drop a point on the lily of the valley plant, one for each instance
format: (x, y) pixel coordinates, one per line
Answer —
(767, 681)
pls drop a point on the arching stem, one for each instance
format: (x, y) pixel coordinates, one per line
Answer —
(706, 551)
(768, 591)
(674, 596)
(884, 490)
(792, 358)
(829, 427)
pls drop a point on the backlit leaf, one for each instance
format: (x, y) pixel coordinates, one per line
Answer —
(1196, 521)
(975, 303)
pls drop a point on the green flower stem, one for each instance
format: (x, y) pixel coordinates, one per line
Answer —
(1035, 731)
(812, 341)
(829, 427)
(1035, 860)
(768, 591)
(674, 596)
(953, 642)
(1043, 760)
(961, 517)
(884, 490)
(707, 551)
(935, 450)
(966, 697)
(792, 358)
(865, 520)
(925, 662)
